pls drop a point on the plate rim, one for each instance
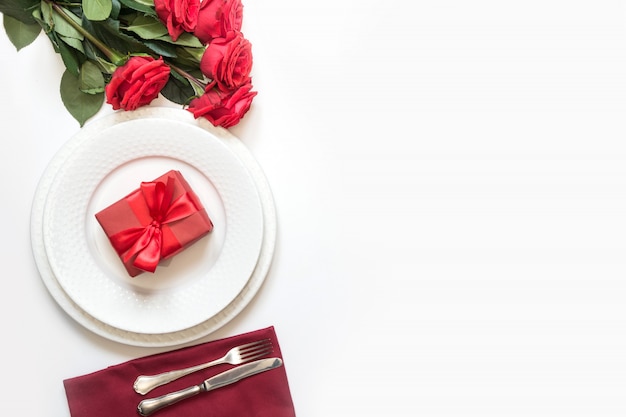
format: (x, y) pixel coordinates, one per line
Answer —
(209, 325)
(106, 296)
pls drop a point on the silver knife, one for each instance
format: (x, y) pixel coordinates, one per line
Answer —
(149, 406)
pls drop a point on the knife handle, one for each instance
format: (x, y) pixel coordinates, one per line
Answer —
(152, 405)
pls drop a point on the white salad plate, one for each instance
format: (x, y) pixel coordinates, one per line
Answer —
(198, 290)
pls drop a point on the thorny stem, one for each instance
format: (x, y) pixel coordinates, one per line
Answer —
(115, 57)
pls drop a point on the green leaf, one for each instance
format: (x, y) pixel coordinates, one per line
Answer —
(141, 6)
(62, 27)
(38, 18)
(190, 56)
(47, 14)
(19, 33)
(184, 85)
(53, 37)
(97, 9)
(21, 10)
(185, 39)
(115, 10)
(69, 57)
(178, 90)
(106, 65)
(161, 48)
(81, 106)
(198, 91)
(148, 27)
(90, 79)
(74, 43)
(108, 32)
(92, 54)
(147, 3)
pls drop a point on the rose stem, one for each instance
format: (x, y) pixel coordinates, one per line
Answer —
(188, 76)
(115, 57)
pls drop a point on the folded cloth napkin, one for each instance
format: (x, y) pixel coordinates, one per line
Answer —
(109, 392)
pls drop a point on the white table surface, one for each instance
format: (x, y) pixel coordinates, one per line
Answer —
(450, 182)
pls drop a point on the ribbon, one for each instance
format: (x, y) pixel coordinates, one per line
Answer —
(143, 245)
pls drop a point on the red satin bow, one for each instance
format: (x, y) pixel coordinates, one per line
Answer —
(145, 244)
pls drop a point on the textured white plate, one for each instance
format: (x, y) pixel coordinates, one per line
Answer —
(211, 317)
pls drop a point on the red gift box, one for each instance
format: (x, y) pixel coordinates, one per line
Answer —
(154, 222)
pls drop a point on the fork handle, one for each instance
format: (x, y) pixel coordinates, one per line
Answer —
(146, 383)
(152, 405)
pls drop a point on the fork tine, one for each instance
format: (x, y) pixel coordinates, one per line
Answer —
(268, 348)
(256, 348)
(252, 344)
(248, 356)
(261, 344)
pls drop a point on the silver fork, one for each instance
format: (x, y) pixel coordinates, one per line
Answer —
(235, 356)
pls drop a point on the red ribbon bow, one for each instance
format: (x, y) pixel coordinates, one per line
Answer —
(145, 244)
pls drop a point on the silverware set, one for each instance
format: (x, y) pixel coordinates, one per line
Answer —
(247, 356)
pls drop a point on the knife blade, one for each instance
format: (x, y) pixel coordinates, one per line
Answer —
(152, 405)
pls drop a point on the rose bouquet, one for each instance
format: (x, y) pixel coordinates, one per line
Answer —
(127, 52)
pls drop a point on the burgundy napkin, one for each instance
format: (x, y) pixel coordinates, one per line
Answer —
(109, 392)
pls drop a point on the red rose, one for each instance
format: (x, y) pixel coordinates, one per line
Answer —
(223, 108)
(228, 60)
(137, 82)
(178, 15)
(218, 17)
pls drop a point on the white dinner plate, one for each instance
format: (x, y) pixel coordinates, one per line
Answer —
(200, 289)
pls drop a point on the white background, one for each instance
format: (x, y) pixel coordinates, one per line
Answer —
(450, 184)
